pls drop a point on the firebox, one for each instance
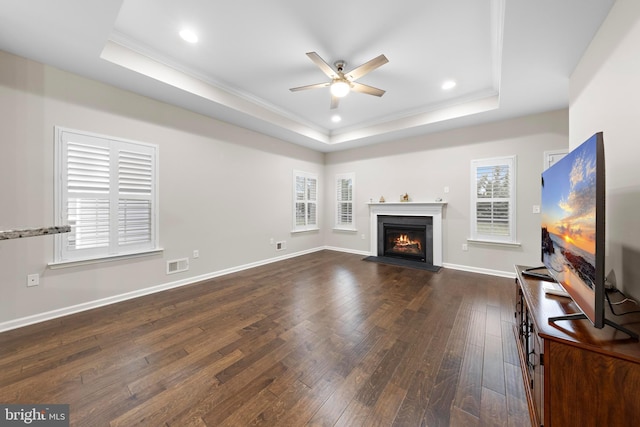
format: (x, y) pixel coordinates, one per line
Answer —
(405, 241)
(406, 237)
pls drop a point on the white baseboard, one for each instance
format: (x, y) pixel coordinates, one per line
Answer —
(499, 273)
(345, 250)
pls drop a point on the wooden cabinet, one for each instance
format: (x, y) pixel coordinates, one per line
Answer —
(530, 349)
(575, 374)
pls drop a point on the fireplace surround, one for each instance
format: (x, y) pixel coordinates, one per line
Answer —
(404, 212)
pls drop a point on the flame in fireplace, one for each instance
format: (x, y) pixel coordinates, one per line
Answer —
(403, 241)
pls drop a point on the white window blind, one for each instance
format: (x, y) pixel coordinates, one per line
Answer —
(493, 200)
(106, 192)
(345, 184)
(305, 187)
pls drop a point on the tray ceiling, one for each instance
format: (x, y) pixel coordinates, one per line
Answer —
(507, 58)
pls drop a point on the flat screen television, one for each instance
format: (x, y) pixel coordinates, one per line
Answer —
(573, 229)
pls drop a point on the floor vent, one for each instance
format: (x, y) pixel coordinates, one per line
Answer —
(177, 265)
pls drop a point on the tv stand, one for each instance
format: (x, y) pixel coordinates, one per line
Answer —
(575, 374)
(580, 316)
(531, 272)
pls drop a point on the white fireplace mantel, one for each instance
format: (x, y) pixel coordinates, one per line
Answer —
(432, 209)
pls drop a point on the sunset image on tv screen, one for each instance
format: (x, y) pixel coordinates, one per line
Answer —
(569, 218)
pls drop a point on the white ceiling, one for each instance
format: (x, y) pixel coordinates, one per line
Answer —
(508, 57)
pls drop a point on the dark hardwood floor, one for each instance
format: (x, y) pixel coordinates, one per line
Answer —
(325, 339)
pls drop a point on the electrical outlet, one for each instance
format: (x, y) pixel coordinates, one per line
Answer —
(536, 209)
(465, 247)
(446, 189)
(272, 241)
(33, 280)
(363, 236)
(196, 253)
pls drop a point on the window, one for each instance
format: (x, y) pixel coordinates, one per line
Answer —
(344, 201)
(106, 191)
(305, 196)
(553, 156)
(493, 200)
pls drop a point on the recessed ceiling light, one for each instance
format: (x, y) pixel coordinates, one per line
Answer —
(189, 36)
(449, 84)
(336, 118)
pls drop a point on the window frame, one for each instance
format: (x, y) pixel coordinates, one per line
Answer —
(339, 225)
(477, 235)
(132, 182)
(306, 201)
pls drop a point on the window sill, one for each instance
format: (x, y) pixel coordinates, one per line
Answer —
(494, 242)
(351, 229)
(305, 230)
(78, 262)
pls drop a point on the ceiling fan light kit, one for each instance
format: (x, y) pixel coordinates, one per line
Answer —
(342, 83)
(340, 88)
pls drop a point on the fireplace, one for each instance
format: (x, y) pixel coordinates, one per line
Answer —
(412, 217)
(406, 237)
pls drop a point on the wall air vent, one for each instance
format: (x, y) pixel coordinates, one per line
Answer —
(177, 265)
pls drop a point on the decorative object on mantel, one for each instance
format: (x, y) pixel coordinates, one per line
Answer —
(382, 199)
(31, 232)
(404, 197)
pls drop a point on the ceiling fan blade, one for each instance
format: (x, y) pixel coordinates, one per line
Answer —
(334, 102)
(367, 67)
(313, 86)
(326, 68)
(369, 90)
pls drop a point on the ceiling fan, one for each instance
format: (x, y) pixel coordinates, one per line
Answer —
(342, 83)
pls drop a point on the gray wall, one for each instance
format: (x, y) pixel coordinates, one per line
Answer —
(425, 165)
(605, 96)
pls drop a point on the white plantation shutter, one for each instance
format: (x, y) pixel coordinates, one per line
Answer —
(135, 188)
(305, 187)
(134, 221)
(312, 199)
(87, 191)
(301, 205)
(344, 201)
(493, 200)
(106, 192)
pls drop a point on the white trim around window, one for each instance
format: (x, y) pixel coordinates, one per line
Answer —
(493, 200)
(344, 197)
(106, 190)
(305, 201)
